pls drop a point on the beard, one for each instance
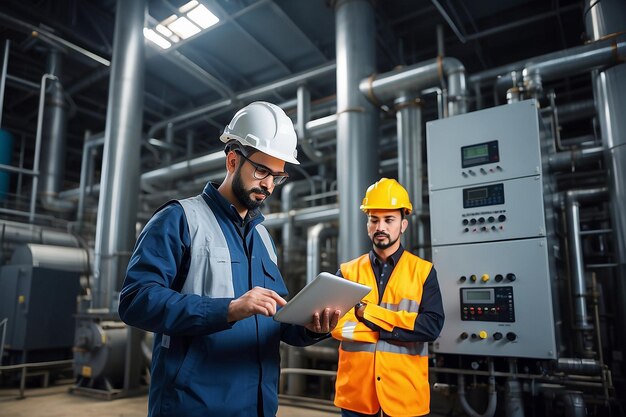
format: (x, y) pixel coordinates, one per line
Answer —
(382, 244)
(243, 195)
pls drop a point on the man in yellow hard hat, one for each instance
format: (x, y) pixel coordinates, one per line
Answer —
(383, 356)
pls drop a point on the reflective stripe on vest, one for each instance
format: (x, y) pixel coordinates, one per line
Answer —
(210, 270)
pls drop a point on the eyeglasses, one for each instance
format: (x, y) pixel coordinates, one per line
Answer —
(262, 172)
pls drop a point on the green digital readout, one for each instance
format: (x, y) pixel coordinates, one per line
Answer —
(479, 154)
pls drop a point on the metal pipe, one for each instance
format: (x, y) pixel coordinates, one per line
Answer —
(575, 158)
(572, 61)
(493, 399)
(42, 96)
(604, 19)
(248, 95)
(3, 79)
(115, 227)
(304, 116)
(88, 145)
(54, 140)
(513, 403)
(357, 122)
(315, 236)
(409, 128)
(329, 212)
(287, 197)
(577, 269)
(576, 110)
(37, 31)
(382, 88)
(13, 232)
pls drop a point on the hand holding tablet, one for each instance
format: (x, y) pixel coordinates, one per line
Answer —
(325, 291)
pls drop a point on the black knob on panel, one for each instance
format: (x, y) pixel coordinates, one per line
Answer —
(481, 220)
(501, 218)
(511, 336)
(499, 278)
(464, 336)
(465, 222)
(474, 335)
(484, 228)
(511, 277)
(491, 219)
(462, 279)
(473, 278)
(497, 335)
(465, 230)
(494, 228)
(473, 221)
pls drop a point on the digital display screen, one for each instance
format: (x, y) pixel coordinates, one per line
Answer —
(478, 295)
(489, 195)
(471, 296)
(477, 151)
(477, 193)
(480, 154)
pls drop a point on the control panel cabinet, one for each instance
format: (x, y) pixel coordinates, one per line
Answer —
(496, 297)
(489, 145)
(489, 236)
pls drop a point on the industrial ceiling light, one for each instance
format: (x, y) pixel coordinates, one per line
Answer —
(152, 36)
(203, 17)
(183, 27)
(189, 20)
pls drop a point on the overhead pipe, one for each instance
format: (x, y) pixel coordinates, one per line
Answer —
(357, 121)
(383, 88)
(572, 61)
(50, 37)
(309, 215)
(248, 95)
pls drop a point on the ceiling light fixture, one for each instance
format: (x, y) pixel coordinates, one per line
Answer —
(188, 21)
(183, 27)
(152, 36)
(203, 17)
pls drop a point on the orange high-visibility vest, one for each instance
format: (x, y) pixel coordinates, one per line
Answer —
(373, 373)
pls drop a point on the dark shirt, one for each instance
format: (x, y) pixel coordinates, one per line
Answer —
(383, 270)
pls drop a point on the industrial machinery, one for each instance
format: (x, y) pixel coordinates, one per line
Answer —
(37, 281)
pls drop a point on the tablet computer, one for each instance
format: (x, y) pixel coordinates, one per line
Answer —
(326, 290)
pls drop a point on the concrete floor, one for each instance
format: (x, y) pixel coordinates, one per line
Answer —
(56, 401)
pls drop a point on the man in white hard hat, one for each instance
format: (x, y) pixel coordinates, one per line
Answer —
(204, 278)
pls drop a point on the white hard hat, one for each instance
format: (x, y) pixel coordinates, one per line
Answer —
(265, 127)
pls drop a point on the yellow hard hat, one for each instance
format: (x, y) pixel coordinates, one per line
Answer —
(386, 194)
